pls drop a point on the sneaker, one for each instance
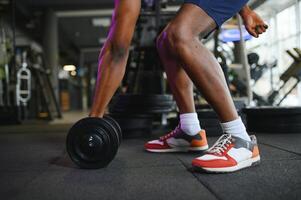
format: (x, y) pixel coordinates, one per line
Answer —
(229, 154)
(178, 141)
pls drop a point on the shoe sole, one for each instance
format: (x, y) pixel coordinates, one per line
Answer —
(178, 149)
(243, 164)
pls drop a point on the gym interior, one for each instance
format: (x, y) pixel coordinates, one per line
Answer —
(49, 52)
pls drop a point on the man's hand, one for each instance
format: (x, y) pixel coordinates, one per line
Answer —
(253, 23)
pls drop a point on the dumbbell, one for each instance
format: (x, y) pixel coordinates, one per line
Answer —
(92, 142)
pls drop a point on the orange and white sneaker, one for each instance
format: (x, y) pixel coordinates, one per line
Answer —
(229, 154)
(178, 141)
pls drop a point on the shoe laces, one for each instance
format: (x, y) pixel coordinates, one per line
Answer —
(171, 134)
(221, 145)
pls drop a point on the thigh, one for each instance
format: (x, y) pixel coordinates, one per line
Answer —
(191, 21)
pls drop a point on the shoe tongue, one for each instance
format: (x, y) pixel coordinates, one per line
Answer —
(222, 141)
(178, 131)
(226, 136)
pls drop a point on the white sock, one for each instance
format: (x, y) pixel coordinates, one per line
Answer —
(190, 123)
(236, 128)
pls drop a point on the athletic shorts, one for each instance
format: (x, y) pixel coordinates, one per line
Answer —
(219, 10)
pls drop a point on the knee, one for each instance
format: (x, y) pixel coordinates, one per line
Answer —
(174, 39)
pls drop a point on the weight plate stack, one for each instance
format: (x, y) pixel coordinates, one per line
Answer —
(134, 125)
(238, 103)
(10, 115)
(142, 104)
(273, 119)
(209, 119)
(210, 122)
(116, 126)
(93, 142)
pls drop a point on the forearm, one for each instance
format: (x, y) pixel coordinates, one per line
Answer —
(111, 70)
(114, 55)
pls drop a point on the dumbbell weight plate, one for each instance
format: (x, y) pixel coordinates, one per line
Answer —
(92, 147)
(116, 126)
(113, 135)
(88, 144)
(92, 143)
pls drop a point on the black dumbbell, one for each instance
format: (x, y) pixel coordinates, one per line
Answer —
(93, 142)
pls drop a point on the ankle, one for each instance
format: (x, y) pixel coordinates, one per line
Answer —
(189, 123)
(236, 128)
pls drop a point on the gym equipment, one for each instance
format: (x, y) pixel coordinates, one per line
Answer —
(4, 72)
(32, 92)
(135, 112)
(23, 88)
(92, 142)
(9, 115)
(48, 102)
(290, 79)
(256, 70)
(210, 122)
(154, 8)
(7, 81)
(1, 93)
(233, 35)
(142, 104)
(116, 125)
(209, 119)
(134, 125)
(219, 55)
(9, 112)
(244, 60)
(273, 119)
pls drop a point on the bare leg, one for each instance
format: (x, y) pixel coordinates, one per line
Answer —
(181, 39)
(180, 83)
(114, 55)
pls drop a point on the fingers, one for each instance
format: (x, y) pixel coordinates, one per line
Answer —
(258, 29)
(261, 28)
(255, 25)
(252, 32)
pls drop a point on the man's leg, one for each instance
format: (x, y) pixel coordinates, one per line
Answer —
(114, 55)
(181, 39)
(182, 89)
(178, 80)
(234, 150)
(188, 136)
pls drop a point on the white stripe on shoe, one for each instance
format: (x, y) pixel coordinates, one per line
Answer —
(239, 166)
(178, 149)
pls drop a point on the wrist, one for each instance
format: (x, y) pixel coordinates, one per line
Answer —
(92, 114)
(245, 11)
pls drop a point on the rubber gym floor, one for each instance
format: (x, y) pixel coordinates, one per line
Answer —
(34, 165)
